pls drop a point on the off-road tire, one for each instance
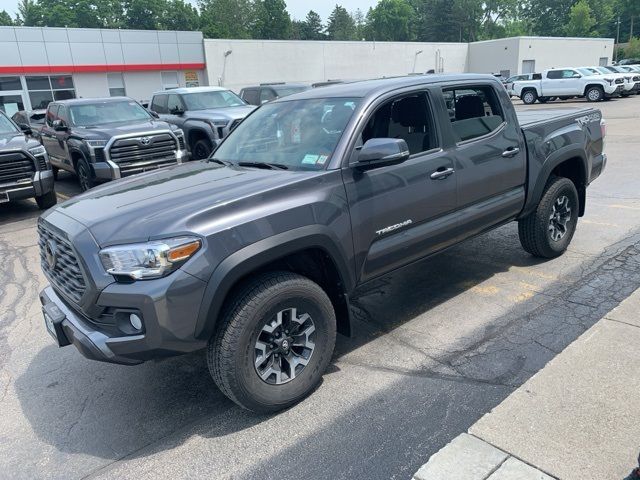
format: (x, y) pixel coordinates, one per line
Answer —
(533, 230)
(201, 149)
(85, 178)
(231, 351)
(594, 94)
(47, 200)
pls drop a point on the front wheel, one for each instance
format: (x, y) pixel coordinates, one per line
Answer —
(548, 230)
(529, 97)
(201, 149)
(274, 343)
(594, 94)
(85, 179)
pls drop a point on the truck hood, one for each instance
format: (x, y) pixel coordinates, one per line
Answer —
(16, 141)
(228, 113)
(170, 201)
(105, 132)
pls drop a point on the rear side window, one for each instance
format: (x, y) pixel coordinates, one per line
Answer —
(266, 95)
(474, 111)
(159, 104)
(174, 103)
(250, 95)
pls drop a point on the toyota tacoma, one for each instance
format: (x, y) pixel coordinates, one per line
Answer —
(254, 253)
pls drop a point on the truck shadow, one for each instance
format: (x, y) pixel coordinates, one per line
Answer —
(16, 211)
(111, 412)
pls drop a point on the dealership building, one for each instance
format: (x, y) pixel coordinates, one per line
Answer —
(39, 65)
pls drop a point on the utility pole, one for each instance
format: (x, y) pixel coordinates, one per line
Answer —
(618, 39)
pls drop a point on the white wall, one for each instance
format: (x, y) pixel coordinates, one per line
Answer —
(91, 85)
(494, 56)
(549, 52)
(256, 61)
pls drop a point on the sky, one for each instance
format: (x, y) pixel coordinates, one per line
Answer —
(297, 8)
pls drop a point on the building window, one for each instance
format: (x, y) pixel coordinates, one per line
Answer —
(169, 80)
(45, 89)
(8, 84)
(116, 85)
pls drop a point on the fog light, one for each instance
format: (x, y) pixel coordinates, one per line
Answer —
(135, 321)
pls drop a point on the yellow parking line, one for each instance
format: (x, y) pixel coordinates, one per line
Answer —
(63, 196)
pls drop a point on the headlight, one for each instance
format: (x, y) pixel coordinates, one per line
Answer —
(96, 143)
(178, 132)
(155, 259)
(39, 150)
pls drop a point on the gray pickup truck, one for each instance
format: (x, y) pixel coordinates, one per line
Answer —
(205, 114)
(254, 254)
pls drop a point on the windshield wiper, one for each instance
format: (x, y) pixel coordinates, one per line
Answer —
(226, 163)
(265, 165)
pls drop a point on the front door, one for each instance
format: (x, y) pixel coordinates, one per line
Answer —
(398, 212)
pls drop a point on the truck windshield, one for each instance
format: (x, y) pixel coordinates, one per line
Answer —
(6, 125)
(213, 99)
(92, 114)
(299, 134)
(588, 72)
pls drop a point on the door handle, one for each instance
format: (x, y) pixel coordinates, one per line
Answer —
(442, 173)
(511, 152)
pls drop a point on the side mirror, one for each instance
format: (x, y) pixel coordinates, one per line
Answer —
(26, 129)
(380, 152)
(154, 114)
(59, 126)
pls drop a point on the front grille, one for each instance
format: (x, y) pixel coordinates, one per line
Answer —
(42, 162)
(65, 274)
(15, 166)
(139, 154)
(181, 142)
(99, 154)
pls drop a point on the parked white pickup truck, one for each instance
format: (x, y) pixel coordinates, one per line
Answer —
(568, 82)
(631, 82)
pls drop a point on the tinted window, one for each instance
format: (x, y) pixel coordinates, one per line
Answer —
(174, 103)
(266, 95)
(86, 115)
(474, 111)
(51, 114)
(62, 114)
(554, 74)
(300, 134)
(10, 83)
(40, 99)
(159, 104)
(408, 118)
(213, 99)
(250, 95)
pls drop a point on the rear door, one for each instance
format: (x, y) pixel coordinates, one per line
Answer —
(60, 137)
(399, 212)
(490, 154)
(48, 135)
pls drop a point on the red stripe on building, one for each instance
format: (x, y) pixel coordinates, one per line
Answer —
(131, 67)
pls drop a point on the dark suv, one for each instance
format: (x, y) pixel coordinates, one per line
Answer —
(101, 139)
(25, 171)
(265, 92)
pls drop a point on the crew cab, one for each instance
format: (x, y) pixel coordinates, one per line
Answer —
(254, 254)
(102, 139)
(205, 114)
(568, 82)
(25, 171)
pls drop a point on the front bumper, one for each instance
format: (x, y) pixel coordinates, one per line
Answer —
(168, 308)
(40, 184)
(611, 91)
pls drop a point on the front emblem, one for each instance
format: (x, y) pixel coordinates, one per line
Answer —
(51, 253)
(145, 140)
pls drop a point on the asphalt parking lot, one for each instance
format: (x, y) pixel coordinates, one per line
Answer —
(434, 348)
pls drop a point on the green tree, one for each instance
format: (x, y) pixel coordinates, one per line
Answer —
(5, 19)
(547, 17)
(341, 25)
(581, 21)
(391, 20)
(225, 18)
(361, 23)
(270, 20)
(178, 15)
(311, 28)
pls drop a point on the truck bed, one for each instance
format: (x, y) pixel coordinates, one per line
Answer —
(532, 116)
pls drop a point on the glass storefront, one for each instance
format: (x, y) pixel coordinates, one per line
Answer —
(33, 92)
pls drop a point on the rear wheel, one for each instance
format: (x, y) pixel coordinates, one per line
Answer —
(548, 230)
(529, 97)
(201, 149)
(47, 200)
(594, 94)
(274, 343)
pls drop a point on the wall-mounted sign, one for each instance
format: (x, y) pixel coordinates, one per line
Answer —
(191, 78)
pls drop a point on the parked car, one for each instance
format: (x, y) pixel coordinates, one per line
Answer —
(266, 92)
(255, 253)
(102, 139)
(629, 84)
(25, 171)
(30, 121)
(629, 61)
(519, 78)
(205, 114)
(568, 82)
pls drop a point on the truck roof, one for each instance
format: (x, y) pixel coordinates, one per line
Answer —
(366, 88)
(88, 101)
(182, 90)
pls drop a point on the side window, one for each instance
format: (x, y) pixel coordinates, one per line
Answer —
(250, 95)
(554, 74)
(159, 104)
(473, 111)
(570, 74)
(266, 95)
(62, 114)
(408, 118)
(174, 103)
(51, 114)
